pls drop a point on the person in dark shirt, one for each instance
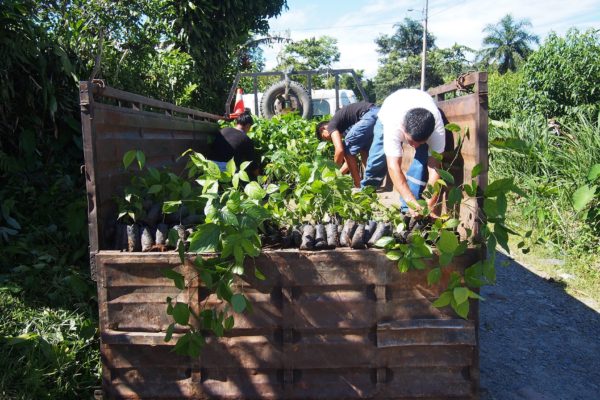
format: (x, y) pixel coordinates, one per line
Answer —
(351, 132)
(235, 143)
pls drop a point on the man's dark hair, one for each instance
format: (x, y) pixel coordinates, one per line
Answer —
(245, 119)
(419, 124)
(318, 129)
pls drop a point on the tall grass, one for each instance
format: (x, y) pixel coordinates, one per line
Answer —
(549, 163)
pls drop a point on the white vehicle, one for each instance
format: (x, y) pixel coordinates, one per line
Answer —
(323, 101)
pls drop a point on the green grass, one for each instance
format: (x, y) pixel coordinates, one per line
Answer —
(549, 165)
(46, 353)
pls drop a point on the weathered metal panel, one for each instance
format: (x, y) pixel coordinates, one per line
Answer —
(109, 131)
(319, 339)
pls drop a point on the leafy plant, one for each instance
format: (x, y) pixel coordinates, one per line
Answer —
(441, 243)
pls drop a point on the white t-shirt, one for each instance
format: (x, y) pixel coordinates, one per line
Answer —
(392, 113)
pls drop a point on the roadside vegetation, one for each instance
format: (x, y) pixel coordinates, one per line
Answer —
(545, 133)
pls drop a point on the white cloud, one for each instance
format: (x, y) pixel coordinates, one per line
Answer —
(450, 21)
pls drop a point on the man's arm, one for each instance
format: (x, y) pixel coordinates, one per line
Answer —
(336, 139)
(352, 164)
(432, 169)
(399, 180)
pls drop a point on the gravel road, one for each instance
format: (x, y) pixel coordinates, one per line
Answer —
(537, 342)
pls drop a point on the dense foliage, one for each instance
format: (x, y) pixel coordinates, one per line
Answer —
(562, 75)
(48, 342)
(400, 61)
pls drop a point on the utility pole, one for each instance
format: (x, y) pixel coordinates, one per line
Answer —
(424, 54)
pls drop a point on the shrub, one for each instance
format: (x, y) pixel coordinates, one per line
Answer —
(503, 93)
(563, 75)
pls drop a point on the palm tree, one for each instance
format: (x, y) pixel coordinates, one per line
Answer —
(507, 43)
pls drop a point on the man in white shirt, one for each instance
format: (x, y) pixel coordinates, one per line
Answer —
(409, 116)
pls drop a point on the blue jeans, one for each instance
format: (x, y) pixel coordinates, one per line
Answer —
(417, 174)
(376, 163)
(360, 135)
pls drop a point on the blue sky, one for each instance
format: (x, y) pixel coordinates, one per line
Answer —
(356, 24)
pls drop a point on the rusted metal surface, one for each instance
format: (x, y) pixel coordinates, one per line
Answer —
(161, 130)
(328, 324)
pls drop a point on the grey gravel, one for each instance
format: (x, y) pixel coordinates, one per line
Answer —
(536, 340)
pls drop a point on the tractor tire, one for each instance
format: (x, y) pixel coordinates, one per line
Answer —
(272, 100)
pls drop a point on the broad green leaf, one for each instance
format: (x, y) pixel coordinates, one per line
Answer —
(141, 158)
(128, 158)
(474, 295)
(403, 265)
(304, 172)
(460, 294)
(272, 188)
(229, 217)
(224, 291)
(244, 165)
(498, 186)
(474, 275)
(384, 241)
(254, 191)
(446, 176)
(238, 302)
(205, 239)
(417, 263)
(244, 176)
(181, 313)
(230, 167)
(490, 208)
(186, 189)
(155, 189)
(501, 236)
(454, 196)
(154, 173)
(510, 143)
(452, 127)
(171, 206)
(502, 204)
(445, 258)
(476, 170)
(434, 276)
(259, 275)
(443, 300)
(594, 173)
(437, 156)
(462, 309)
(229, 322)
(394, 255)
(448, 242)
(451, 223)
(583, 196)
(177, 278)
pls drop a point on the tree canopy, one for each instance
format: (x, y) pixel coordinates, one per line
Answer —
(507, 43)
(306, 54)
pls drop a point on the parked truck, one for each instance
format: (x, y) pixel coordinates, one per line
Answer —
(326, 324)
(289, 95)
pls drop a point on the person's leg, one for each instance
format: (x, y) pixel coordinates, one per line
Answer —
(376, 163)
(417, 174)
